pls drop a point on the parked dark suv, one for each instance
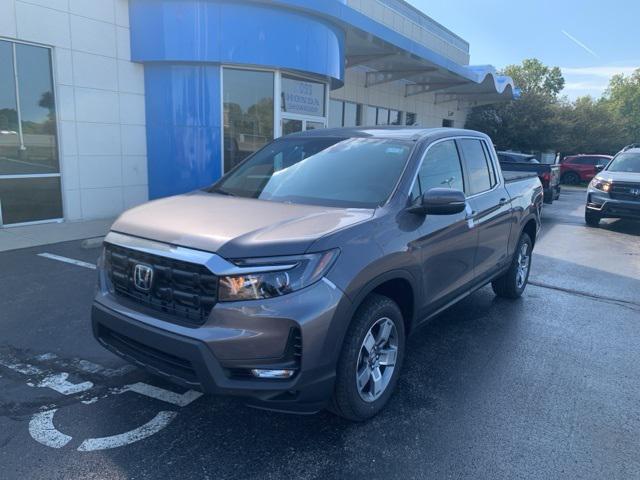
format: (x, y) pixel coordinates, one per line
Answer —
(295, 279)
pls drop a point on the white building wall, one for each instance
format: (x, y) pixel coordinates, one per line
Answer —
(414, 25)
(99, 99)
(391, 95)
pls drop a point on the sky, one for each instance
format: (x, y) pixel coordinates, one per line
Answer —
(589, 40)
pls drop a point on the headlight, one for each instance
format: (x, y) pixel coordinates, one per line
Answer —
(289, 274)
(601, 184)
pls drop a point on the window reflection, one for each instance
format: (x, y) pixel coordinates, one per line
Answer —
(37, 111)
(248, 113)
(9, 130)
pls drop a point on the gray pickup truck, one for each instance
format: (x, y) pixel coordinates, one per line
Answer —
(295, 280)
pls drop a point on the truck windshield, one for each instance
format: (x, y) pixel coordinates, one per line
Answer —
(334, 172)
(626, 162)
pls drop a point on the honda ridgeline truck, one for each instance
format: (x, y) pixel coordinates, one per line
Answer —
(295, 280)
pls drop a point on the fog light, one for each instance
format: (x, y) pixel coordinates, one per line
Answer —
(263, 373)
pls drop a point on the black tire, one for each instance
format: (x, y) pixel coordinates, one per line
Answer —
(571, 178)
(346, 401)
(507, 285)
(591, 218)
(548, 197)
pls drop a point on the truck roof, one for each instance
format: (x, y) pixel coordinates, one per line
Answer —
(391, 132)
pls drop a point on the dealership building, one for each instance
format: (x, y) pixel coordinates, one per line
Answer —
(105, 104)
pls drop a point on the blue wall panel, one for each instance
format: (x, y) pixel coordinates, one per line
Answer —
(183, 127)
(183, 42)
(235, 32)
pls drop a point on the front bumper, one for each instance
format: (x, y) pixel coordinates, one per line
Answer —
(218, 356)
(607, 207)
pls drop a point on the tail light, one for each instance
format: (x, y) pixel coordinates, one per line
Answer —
(546, 177)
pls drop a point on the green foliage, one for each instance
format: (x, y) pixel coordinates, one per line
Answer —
(540, 121)
(533, 77)
(623, 99)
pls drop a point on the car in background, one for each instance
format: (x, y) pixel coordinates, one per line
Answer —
(549, 175)
(575, 169)
(615, 191)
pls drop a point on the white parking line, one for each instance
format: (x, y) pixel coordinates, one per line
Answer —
(72, 261)
(180, 400)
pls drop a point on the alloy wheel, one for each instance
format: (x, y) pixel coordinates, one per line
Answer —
(524, 262)
(377, 359)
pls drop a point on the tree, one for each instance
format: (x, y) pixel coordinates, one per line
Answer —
(533, 77)
(525, 124)
(588, 126)
(623, 99)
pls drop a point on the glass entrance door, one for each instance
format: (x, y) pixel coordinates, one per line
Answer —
(294, 125)
(29, 164)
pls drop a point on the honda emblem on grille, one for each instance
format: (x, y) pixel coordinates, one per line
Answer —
(143, 277)
(635, 191)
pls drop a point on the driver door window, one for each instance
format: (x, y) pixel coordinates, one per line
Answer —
(440, 168)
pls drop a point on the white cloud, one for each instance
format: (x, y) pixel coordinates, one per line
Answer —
(591, 80)
(603, 71)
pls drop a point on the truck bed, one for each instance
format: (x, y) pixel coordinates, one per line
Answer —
(513, 176)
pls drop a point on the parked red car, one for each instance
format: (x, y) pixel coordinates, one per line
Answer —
(576, 169)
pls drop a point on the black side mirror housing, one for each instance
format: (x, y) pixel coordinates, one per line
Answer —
(439, 201)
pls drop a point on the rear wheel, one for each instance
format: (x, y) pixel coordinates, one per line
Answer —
(571, 178)
(591, 218)
(370, 360)
(514, 281)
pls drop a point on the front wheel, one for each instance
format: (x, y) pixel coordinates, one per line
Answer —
(370, 360)
(514, 281)
(592, 219)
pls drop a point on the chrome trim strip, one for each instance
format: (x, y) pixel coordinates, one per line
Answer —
(214, 263)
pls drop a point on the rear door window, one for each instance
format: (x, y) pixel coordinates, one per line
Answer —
(478, 166)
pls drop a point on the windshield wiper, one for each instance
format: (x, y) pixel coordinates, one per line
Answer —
(222, 192)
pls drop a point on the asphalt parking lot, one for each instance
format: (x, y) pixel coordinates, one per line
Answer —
(544, 387)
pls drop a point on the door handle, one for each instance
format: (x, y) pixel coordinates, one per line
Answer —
(503, 201)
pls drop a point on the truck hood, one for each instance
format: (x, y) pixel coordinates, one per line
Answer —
(235, 227)
(619, 176)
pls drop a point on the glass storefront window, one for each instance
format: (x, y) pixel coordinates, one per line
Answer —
(343, 114)
(335, 113)
(314, 125)
(395, 117)
(350, 114)
(248, 113)
(303, 97)
(383, 116)
(410, 119)
(291, 126)
(29, 164)
(29, 199)
(370, 116)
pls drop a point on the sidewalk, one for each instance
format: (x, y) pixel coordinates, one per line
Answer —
(12, 238)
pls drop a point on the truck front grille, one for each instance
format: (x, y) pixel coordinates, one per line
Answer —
(186, 291)
(625, 191)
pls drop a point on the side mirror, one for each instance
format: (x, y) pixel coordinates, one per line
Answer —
(439, 201)
(599, 168)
